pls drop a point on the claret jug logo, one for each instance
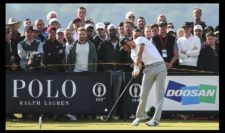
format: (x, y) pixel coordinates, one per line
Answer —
(99, 90)
(134, 92)
(191, 94)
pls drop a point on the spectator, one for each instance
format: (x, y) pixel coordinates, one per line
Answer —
(189, 47)
(141, 24)
(51, 15)
(128, 29)
(54, 22)
(109, 50)
(10, 52)
(198, 31)
(41, 33)
(82, 54)
(208, 29)
(15, 38)
(89, 21)
(209, 56)
(91, 33)
(76, 24)
(27, 46)
(154, 29)
(130, 16)
(121, 30)
(166, 45)
(180, 33)
(81, 13)
(60, 36)
(27, 22)
(170, 26)
(147, 32)
(197, 14)
(68, 34)
(161, 17)
(101, 34)
(172, 32)
(53, 51)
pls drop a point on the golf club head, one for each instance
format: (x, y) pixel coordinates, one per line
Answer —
(104, 118)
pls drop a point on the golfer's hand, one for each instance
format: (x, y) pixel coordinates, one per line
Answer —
(135, 72)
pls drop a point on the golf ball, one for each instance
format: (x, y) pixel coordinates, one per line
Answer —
(106, 110)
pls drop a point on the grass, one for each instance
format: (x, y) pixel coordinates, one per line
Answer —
(114, 125)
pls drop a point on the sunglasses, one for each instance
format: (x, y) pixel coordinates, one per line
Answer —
(131, 17)
(100, 29)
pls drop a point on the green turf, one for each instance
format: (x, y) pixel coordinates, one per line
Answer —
(114, 125)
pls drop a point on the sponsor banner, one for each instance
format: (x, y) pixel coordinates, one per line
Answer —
(57, 92)
(189, 93)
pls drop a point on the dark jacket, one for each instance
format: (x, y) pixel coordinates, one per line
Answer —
(107, 54)
(52, 55)
(92, 57)
(208, 59)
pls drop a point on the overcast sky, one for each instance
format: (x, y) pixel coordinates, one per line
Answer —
(114, 13)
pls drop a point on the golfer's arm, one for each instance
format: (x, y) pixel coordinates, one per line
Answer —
(138, 58)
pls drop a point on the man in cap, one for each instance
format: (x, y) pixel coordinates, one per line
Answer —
(189, 47)
(53, 51)
(109, 52)
(91, 33)
(142, 50)
(54, 22)
(76, 24)
(60, 36)
(166, 45)
(39, 26)
(198, 31)
(27, 46)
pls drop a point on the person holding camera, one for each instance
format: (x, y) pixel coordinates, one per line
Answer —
(27, 46)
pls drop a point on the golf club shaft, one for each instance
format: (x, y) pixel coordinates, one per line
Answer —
(114, 105)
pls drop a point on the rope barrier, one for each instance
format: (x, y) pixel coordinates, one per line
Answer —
(121, 64)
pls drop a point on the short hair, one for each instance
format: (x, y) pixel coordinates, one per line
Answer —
(128, 22)
(197, 9)
(210, 34)
(81, 29)
(129, 13)
(154, 25)
(49, 14)
(68, 30)
(120, 24)
(81, 7)
(137, 30)
(147, 26)
(161, 15)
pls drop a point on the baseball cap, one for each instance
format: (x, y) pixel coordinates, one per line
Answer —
(111, 26)
(171, 30)
(89, 25)
(162, 23)
(60, 30)
(51, 28)
(76, 20)
(198, 27)
(53, 20)
(123, 42)
(100, 25)
(186, 24)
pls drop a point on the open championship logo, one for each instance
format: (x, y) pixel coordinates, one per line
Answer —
(187, 95)
(134, 90)
(99, 90)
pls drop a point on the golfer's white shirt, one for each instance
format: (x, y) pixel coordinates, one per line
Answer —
(150, 54)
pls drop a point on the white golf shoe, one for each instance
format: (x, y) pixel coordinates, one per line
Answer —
(152, 123)
(136, 122)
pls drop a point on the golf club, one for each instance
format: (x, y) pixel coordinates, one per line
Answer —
(106, 118)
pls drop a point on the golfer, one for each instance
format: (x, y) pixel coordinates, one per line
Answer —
(142, 50)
